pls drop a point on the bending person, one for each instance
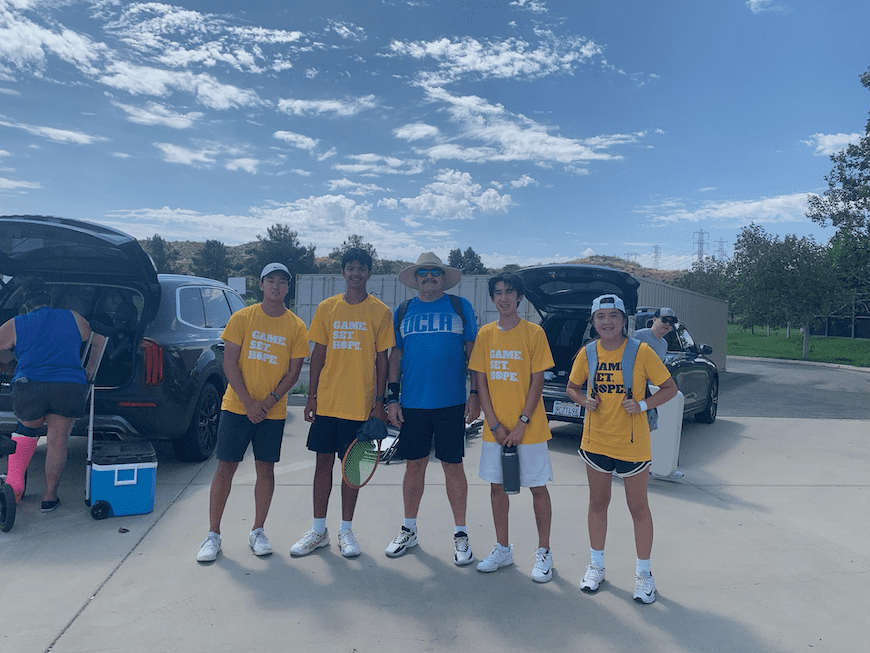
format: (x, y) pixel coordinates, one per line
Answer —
(49, 386)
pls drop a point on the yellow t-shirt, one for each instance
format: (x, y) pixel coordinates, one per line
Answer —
(609, 430)
(509, 358)
(353, 334)
(268, 345)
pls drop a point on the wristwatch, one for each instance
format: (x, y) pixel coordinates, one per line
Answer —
(524, 419)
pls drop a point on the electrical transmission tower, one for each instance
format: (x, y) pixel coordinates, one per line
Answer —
(701, 244)
(631, 256)
(656, 256)
(720, 250)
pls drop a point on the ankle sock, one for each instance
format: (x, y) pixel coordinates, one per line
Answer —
(597, 558)
(642, 568)
(320, 525)
(345, 526)
(410, 523)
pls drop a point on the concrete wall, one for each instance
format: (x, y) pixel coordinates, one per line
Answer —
(706, 318)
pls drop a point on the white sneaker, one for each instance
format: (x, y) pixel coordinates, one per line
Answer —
(405, 540)
(592, 579)
(259, 543)
(543, 569)
(501, 556)
(311, 541)
(209, 548)
(462, 553)
(644, 589)
(347, 542)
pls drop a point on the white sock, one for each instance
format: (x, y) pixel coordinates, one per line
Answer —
(643, 568)
(320, 525)
(410, 523)
(597, 558)
(459, 529)
(345, 525)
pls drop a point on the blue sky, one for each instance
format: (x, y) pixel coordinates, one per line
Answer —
(531, 130)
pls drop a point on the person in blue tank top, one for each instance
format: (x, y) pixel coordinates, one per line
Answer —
(49, 386)
(434, 336)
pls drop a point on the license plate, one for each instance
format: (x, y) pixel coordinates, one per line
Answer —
(566, 409)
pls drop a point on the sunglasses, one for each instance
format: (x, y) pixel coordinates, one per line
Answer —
(669, 320)
(435, 272)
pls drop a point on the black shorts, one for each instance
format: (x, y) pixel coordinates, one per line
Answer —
(608, 465)
(35, 399)
(446, 425)
(331, 434)
(236, 431)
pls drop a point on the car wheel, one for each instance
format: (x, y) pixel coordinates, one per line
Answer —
(708, 415)
(200, 440)
(7, 507)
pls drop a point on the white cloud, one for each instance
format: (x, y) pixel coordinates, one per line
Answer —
(827, 144)
(416, 131)
(376, 164)
(525, 180)
(243, 163)
(177, 154)
(347, 30)
(54, 134)
(732, 214)
(318, 107)
(530, 5)
(509, 58)
(147, 80)
(353, 187)
(11, 184)
(762, 6)
(506, 137)
(297, 140)
(157, 114)
(454, 196)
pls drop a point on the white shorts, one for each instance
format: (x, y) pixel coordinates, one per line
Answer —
(535, 466)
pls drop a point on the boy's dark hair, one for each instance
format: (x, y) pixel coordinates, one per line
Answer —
(35, 293)
(511, 282)
(357, 254)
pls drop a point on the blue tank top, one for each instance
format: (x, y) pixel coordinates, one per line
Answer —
(47, 345)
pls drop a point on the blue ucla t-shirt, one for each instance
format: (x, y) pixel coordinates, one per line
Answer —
(432, 341)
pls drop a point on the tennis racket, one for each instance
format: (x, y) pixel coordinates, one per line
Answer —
(360, 462)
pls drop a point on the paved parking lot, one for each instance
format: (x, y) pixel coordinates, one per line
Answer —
(761, 547)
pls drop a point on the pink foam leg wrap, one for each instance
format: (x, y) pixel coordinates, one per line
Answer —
(18, 462)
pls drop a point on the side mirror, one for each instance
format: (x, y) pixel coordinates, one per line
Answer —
(706, 350)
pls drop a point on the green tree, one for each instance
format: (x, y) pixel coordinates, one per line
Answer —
(469, 261)
(752, 280)
(846, 207)
(212, 261)
(161, 253)
(281, 245)
(333, 264)
(710, 277)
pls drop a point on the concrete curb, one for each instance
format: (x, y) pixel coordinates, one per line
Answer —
(796, 362)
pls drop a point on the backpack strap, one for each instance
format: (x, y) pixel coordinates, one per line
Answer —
(632, 346)
(400, 312)
(592, 359)
(456, 302)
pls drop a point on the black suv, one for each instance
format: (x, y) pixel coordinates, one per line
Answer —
(162, 373)
(563, 295)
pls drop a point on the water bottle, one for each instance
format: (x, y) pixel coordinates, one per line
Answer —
(510, 468)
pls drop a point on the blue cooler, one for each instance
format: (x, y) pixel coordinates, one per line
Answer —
(124, 476)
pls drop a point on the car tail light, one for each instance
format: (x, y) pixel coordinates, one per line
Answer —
(153, 362)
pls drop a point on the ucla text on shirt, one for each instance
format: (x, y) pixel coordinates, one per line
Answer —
(431, 322)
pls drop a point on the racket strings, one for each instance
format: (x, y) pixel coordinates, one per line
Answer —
(360, 462)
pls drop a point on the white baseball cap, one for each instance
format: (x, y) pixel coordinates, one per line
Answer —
(607, 301)
(275, 267)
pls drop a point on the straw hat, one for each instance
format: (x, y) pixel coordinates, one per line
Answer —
(430, 260)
